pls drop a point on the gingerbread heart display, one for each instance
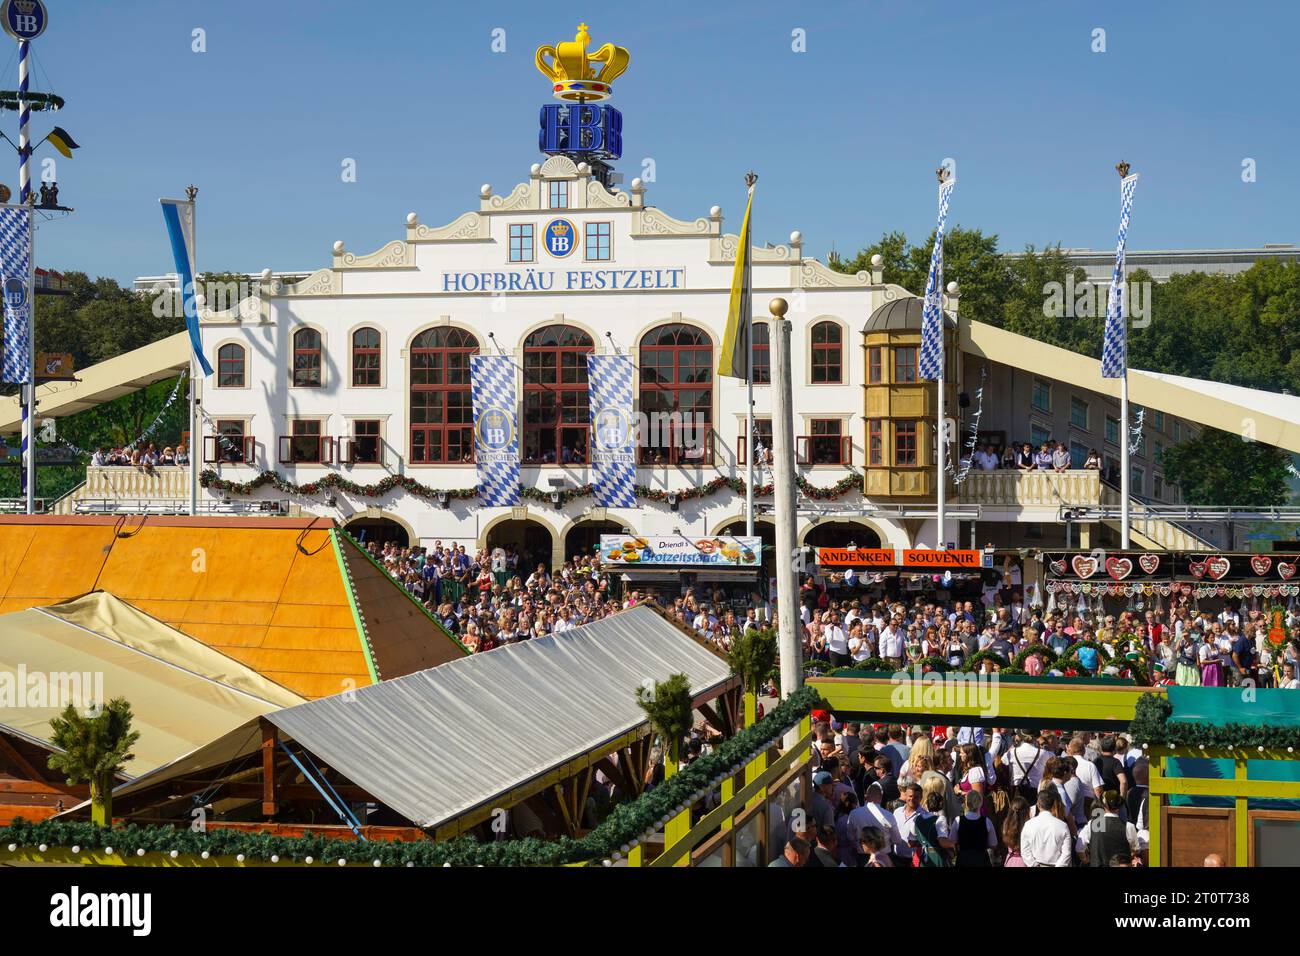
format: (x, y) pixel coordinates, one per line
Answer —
(1149, 562)
(1261, 563)
(1197, 568)
(1084, 565)
(1119, 568)
(1286, 571)
(1216, 568)
(1059, 566)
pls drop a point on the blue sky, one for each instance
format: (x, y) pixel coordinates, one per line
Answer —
(844, 136)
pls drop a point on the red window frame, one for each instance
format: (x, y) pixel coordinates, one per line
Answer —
(905, 372)
(827, 354)
(307, 355)
(764, 428)
(367, 358)
(367, 434)
(906, 442)
(232, 363)
(875, 443)
(440, 402)
(556, 417)
(676, 367)
(215, 453)
(762, 353)
(305, 446)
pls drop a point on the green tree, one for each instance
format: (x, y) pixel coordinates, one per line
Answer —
(1219, 468)
(752, 657)
(93, 749)
(669, 708)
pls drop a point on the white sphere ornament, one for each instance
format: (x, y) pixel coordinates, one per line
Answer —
(377, 863)
(239, 858)
(266, 275)
(616, 856)
(13, 847)
(623, 848)
(447, 864)
(308, 861)
(637, 183)
(796, 237)
(339, 247)
(275, 858)
(877, 261)
(76, 848)
(205, 855)
(43, 847)
(583, 169)
(485, 191)
(411, 863)
(342, 862)
(715, 212)
(108, 851)
(140, 852)
(174, 854)
(535, 169)
(953, 287)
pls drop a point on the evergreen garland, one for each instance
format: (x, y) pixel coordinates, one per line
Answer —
(973, 662)
(1152, 725)
(626, 824)
(1136, 666)
(210, 479)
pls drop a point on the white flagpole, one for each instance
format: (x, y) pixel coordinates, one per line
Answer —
(29, 424)
(1125, 476)
(750, 442)
(195, 443)
(942, 457)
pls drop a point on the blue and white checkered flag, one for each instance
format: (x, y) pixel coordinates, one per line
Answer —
(931, 362)
(613, 432)
(496, 429)
(1114, 347)
(15, 274)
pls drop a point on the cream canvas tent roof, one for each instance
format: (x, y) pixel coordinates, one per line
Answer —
(182, 693)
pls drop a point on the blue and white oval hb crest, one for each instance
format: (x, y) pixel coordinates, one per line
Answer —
(613, 430)
(495, 432)
(560, 237)
(15, 292)
(24, 19)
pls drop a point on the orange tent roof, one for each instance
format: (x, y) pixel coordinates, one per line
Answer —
(272, 593)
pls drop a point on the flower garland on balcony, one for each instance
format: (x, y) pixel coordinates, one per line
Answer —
(210, 479)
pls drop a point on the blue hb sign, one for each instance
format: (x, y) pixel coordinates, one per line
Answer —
(24, 19)
(581, 128)
(15, 292)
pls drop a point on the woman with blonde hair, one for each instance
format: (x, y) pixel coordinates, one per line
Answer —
(919, 760)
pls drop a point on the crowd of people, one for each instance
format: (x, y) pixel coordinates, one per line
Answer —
(1021, 456)
(147, 456)
(1178, 642)
(898, 796)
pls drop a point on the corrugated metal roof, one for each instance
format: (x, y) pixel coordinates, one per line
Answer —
(440, 742)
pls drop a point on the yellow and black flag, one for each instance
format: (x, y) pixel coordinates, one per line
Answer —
(734, 359)
(64, 143)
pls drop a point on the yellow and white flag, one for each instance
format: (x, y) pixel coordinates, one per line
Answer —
(734, 360)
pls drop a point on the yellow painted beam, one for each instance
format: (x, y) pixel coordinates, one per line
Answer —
(1241, 816)
(1238, 788)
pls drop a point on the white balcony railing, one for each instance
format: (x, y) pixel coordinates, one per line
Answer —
(1031, 488)
(127, 481)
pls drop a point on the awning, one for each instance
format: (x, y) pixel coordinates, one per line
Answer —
(414, 743)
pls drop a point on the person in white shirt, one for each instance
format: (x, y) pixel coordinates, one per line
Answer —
(1084, 768)
(985, 459)
(1288, 681)
(1107, 821)
(905, 819)
(1045, 839)
(872, 814)
(891, 642)
(837, 642)
(1026, 760)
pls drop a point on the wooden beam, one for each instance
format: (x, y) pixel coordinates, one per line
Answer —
(269, 739)
(21, 762)
(561, 799)
(715, 721)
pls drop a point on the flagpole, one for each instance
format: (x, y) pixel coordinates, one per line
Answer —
(934, 355)
(29, 421)
(192, 194)
(941, 541)
(750, 441)
(1114, 357)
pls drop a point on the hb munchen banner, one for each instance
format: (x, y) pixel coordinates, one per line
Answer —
(496, 431)
(613, 434)
(15, 268)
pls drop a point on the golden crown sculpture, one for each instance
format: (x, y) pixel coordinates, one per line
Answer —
(560, 227)
(571, 72)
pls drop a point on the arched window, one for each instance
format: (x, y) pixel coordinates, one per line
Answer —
(677, 395)
(762, 353)
(827, 353)
(442, 408)
(306, 359)
(365, 358)
(231, 366)
(555, 395)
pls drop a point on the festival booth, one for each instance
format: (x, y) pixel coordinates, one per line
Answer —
(1114, 581)
(669, 564)
(1224, 775)
(891, 573)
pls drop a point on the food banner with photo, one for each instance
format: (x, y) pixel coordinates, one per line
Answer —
(656, 551)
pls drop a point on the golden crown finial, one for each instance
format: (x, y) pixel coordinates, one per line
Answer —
(573, 71)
